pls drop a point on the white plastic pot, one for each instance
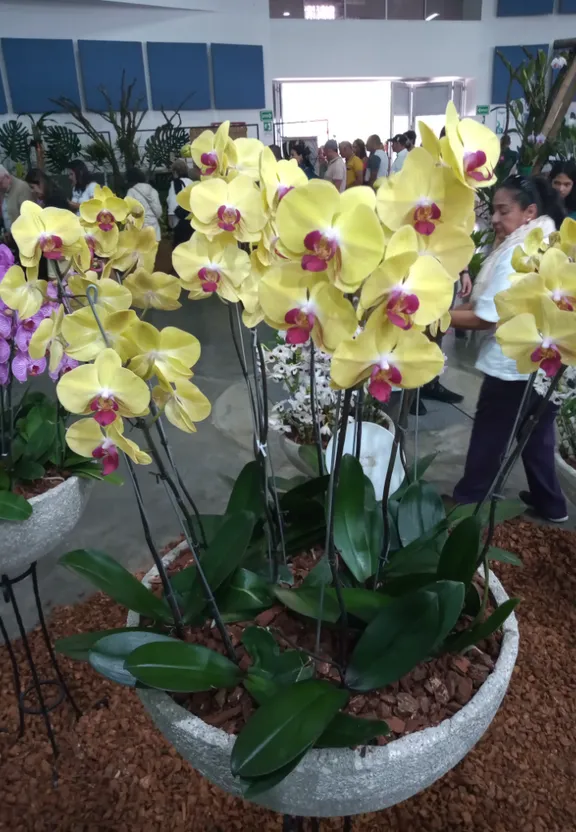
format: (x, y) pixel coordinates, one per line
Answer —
(54, 515)
(340, 782)
(375, 451)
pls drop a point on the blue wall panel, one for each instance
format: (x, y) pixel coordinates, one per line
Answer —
(567, 7)
(520, 8)
(3, 105)
(238, 73)
(38, 71)
(102, 63)
(179, 71)
(500, 76)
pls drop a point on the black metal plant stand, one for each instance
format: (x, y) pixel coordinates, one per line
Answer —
(38, 684)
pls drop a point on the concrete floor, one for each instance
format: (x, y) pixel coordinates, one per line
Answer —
(220, 449)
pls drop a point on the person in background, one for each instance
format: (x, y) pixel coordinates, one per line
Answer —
(46, 191)
(336, 170)
(177, 216)
(508, 158)
(520, 205)
(301, 153)
(399, 143)
(378, 162)
(411, 139)
(83, 186)
(13, 192)
(354, 166)
(147, 196)
(563, 179)
(276, 151)
(359, 149)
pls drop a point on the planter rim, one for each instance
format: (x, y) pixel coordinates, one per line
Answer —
(411, 747)
(566, 467)
(50, 492)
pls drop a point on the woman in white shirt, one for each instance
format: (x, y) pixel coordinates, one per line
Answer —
(148, 198)
(519, 206)
(82, 185)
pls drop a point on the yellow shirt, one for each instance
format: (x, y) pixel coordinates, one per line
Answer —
(354, 166)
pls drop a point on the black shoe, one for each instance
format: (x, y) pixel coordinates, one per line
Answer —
(527, 498)
(437, 391)
(421, 411)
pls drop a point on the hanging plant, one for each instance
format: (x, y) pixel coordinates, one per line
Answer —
(62, 146)
(14, 142)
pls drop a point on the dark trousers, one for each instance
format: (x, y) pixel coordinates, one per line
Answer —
(496, 411)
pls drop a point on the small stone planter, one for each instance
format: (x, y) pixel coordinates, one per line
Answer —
(54, 515)
(341, 782)
(567, 476)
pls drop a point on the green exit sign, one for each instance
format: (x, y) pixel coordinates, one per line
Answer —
(266, 115)
(483, 110)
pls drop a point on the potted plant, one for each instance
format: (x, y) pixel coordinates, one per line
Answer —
(296, 617)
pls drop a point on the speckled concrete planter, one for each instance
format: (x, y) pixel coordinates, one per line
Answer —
(55, 513)
(291, 449)
(339, 782)
(567, 476)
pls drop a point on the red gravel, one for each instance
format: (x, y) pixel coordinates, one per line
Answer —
(117, 773)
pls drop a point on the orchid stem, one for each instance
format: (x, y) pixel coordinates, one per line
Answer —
(314, 410)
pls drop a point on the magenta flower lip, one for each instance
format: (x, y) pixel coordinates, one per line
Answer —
(301, 325)
(228, 218)
(381, 382)
(104, 410)
(322, 251)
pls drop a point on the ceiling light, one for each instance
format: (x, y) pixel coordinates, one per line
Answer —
(432, 16)
(286, 14)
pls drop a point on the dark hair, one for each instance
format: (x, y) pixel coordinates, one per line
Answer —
(568, 168)
(505, 140)
(362, 154)
(302, 150)
(538, 191)
(134, 176)
(411, 136)
(82, 174)
(442, 132)
(276, 151)
(52, 196)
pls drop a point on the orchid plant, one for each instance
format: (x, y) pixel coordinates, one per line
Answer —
(360, 276)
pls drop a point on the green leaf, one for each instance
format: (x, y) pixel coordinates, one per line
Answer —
(402, 635)
(307, 602)
(309, 456)
(460, 552)
(505, 510)
(421, 467)
(78, 646)
(284, 484)
(27, 469)
(467, 638)
(283, 667)
(246, 591)
(451, 595)
(412, 561)
(346, 731)
(285, 727)
(303, 493)
(363, 603)
(247, 492)
(350, 528)
(255, 786)
(14, 507)
(181, 667)
(421, 508)
(502, 556)
(108, 654)
(224, 554)
(4, 480)
(109, 576)
(319, 575)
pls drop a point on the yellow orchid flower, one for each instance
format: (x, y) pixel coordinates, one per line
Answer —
(556, 280)
(135, 216)
(21, 294)
(248, 152)
(546, 341)
(567, 238)
(306, 306)
(154, 291)
(183, 197)
(86, 438)
(52, 232)
(94, 242)
(136, 248)
(48, 338)
(209, 266)
(170, 354)
(104, 389)
(409, 289)
(111, 295)
(526, 258)
(252, 312)
(234, 207)
(214, 152)
(388, 356)
(450, 245)
(424, 196)
(184, 404)
(83, 335)
(105, 210)
(471, 149)
(278, 177)
(430, 141)
(331, 234)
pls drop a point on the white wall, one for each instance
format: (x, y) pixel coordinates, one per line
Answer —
(231, 21)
